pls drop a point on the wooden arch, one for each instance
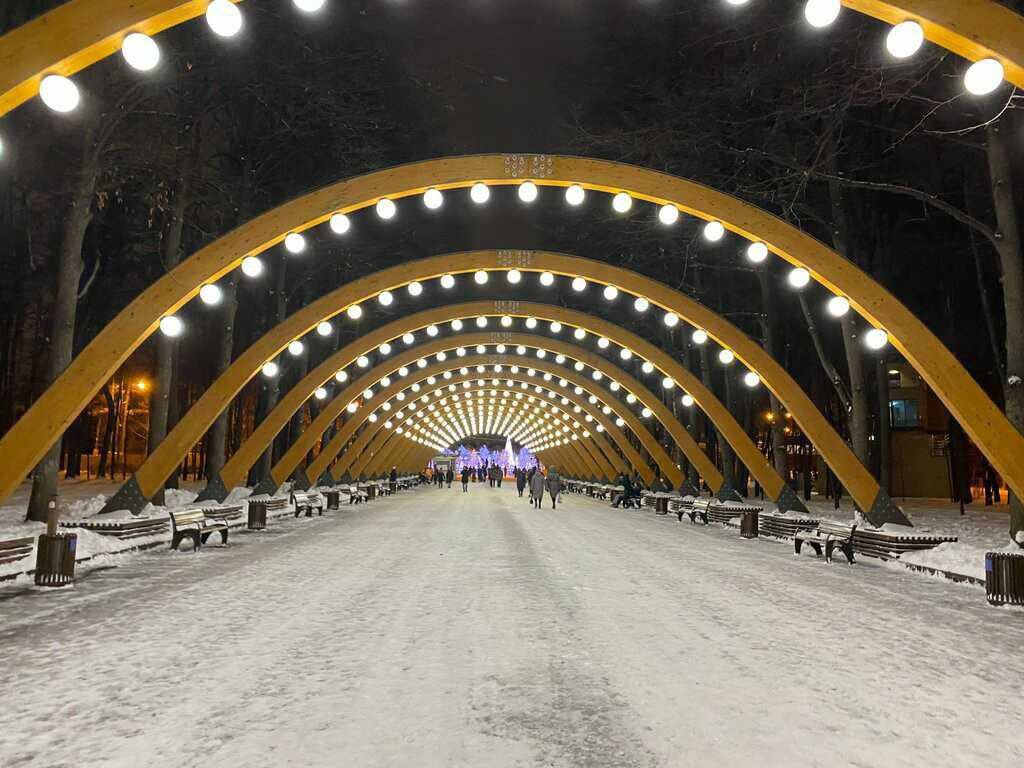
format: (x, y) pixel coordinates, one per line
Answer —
(79, 33)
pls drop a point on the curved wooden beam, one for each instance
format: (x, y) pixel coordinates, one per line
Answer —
(80, 33)
(354, 459)
(45, 421)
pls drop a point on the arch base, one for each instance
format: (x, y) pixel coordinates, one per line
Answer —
(300, 480)
(267, 486)
(215, 490)
(686, 488)
(788, 501)
(129, 496)
(728, 493)
(884, 510)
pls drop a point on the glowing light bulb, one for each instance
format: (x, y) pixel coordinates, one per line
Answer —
(714, 231)
(296, 348)
(480, 277)
(799, 277)
(270, 369)
(140, 51)
(456, 325)
(983, 77)
(622, 202)
(699, 336)
(610, 293)
(671, 319)
(726, 356)
(341, 377)
(433, 199)
(320, 393)
(527, 191)
(415, 288)
(905, 39)
(513, 276)
(821, 13)
(340, 223)
(480, 193)
(668, 214)
(354, 312)
(579, 284)
(876, 338)
(447, 281)
(575, 194)
(324, 328)
(641, 304)
(386, 208)
(210, 294)
(224, 18)
(838, 306)
(171, 326)
(687, 400)
(294, 243)
(59, 93)
(757, 253)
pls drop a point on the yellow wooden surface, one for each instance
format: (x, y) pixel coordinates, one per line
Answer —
(46, 420)
(79, 33)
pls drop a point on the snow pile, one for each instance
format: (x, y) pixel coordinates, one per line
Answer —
(238, 494)
(79, 509)
(954, 557)
(178, 497)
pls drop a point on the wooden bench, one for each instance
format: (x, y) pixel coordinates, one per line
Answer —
(121, 529)
(13, 550)
(783, 526)
(889, 545)
(227, 513)
(830, 536)
(724, 513)
(355, 494)
(307, 501)
(194, 524)
(699, 508)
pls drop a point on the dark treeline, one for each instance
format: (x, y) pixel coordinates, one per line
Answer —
(889, 163)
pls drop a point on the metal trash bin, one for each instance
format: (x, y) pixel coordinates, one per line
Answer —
(1004, 578)
(257, 515)
(333, 499)
(55, 559)
(661, 504)
(371, 492)
(748, 524)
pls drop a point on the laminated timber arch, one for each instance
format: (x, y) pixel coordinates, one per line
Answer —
(79, 33)
(353, 459)
(237, 467)
(27, 441)
(288, 463)
(579, 454)
(606, 460)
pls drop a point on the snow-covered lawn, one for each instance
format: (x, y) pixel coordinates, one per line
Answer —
(445, 629)
(81, 500)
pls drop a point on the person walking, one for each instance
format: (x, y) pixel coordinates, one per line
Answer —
(465, 479)
(554, 484)
(449, 476)
(537, 488)
(520, 481)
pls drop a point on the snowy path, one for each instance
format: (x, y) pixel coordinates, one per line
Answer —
(442, 629)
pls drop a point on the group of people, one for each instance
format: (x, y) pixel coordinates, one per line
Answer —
(537, 483)
(533, 480)
(633, 487)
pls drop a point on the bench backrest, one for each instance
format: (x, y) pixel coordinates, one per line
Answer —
(839, 530)
(703, 504)
(187, 517)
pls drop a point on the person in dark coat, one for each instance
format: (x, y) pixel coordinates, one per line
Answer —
(449, 476)
(627, 489)
(465, 479)
(537, 488)
(520, 481)
(554, 485)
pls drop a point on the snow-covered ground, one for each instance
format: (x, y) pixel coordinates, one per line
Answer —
(81, 500)
(445, 629)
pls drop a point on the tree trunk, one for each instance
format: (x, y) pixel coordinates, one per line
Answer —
(1000, 165)
(167, 347)
(771, 345)
(216, 449)
(108, 431)
(65, 307)
(884, 434)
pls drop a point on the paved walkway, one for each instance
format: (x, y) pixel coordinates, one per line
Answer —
(442, 629)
